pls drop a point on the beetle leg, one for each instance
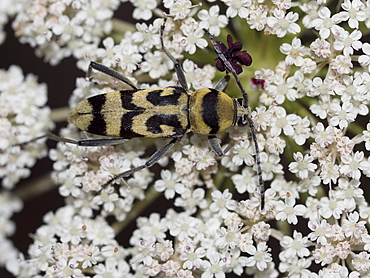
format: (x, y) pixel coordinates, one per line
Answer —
(83, 142)
(110, 72)
(229, 146)
(215, 145)
(150, 162)
(179, 72)
(222, 83)
(30, 141)
(86, 142)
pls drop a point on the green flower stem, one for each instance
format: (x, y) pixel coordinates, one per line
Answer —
(120, 27)
(283, 229)
(356, 128)
(35, 188)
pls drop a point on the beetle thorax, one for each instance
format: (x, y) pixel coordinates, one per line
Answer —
(211, 111)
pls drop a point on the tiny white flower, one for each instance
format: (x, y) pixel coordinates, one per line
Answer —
(67, 268)
(237, 7)
(170, 184)
(222, 203)
(270, 165)
(191, 200)
(281, 23)
(294, 52)
(302, 166)
(184, 226)
(361, 262)
(246, 181)
(331, 207)
(320, 231)
(194, 39)
(260, 256)
(180, 9)
(296, 268)
(295, 246)
(341, 64)
(353, 12)
(212, 20)
(346, 42)
(364, 60)
(289, 210)
(283, 123)
(325, 22)
(242, 153)
(301, 130)
(155, 64)
(128, 57)
(342, 115)
(320, 48)
(193, 257)
(143, 9)
(324, 254)
(257, 19)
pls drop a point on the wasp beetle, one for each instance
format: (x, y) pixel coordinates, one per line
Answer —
(169, 112)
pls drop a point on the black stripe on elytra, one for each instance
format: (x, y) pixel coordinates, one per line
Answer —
(126, 99)
(209, 111)
(153, 124)
(126, 125)
(155, 97)
(97, 125)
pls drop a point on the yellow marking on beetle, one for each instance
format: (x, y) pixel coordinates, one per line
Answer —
(225, 110)
(82, 115)
(113, 112)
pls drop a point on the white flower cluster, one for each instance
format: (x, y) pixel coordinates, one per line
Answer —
(314, 148)
(9, 204)
(23, 116)
(69, 244)
(58, 29)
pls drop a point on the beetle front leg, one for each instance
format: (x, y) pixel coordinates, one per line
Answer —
(215, 145)
(222, 83)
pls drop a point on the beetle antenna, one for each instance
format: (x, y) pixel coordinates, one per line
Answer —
(230, 69)
(228, 66)
(179, 72)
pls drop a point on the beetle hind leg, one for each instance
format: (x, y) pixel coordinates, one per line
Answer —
(150, 162)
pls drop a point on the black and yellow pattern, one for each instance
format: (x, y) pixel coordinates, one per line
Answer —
(165, 112)
(211, 111)
(135, 113)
